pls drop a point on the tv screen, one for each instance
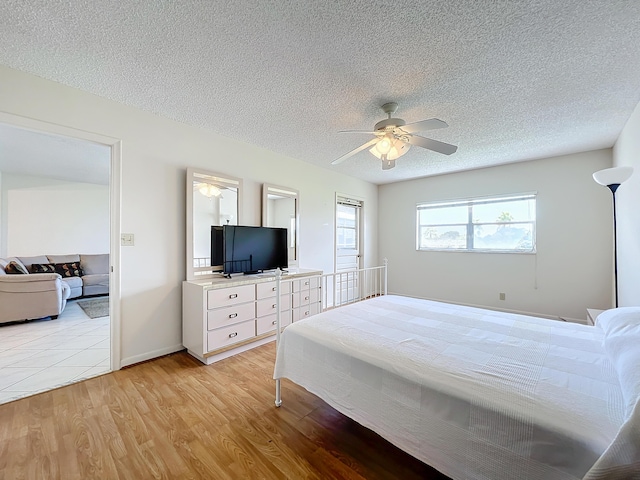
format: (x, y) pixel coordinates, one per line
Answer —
(250, 249)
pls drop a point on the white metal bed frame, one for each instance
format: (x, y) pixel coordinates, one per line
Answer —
(338, 289)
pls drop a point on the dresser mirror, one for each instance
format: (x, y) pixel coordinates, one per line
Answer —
(213, 199)
(280, 209)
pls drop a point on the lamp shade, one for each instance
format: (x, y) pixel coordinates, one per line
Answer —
(612, 176)
(398, 148)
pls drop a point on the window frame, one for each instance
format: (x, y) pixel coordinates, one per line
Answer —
(470, 225)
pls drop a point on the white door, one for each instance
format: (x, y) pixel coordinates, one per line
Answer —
(348, 248)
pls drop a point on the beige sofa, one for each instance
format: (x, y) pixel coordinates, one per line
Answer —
(36, 295)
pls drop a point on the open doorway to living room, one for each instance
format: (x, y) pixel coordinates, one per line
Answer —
(55, 323)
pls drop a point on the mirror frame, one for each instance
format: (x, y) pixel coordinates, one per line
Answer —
(194, 174)
(268, 188)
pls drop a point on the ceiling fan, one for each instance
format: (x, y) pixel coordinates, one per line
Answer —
(394, 137)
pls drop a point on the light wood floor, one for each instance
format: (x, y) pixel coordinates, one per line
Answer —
(174, 418)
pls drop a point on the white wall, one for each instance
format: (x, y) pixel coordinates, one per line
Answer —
(627, 152)
(3, 240)
(571, 270)
(155, 154)
(43, 216)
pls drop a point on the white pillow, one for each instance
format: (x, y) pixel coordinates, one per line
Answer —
(621, 320)
(622, 343)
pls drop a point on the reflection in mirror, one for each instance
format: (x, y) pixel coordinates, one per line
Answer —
(280, 209)
(212, 199)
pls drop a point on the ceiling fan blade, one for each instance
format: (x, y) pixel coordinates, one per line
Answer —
(430, 144)
(424, 125)
(354, 151)
(361, 131)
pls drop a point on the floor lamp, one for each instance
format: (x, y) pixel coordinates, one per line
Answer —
(612, 178)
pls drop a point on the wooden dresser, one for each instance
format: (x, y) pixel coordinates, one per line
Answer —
(222, 317)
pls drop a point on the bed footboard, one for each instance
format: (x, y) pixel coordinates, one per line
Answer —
(338, 289)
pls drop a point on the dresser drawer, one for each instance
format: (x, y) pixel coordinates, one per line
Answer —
(228, 315)
(267, 306)
(306, 311)
(222, 337)
(222, 297)
(268, 289)
(306, 297)
(268, 323)
(306, 284)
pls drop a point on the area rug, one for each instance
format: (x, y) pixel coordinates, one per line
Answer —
(95, 307)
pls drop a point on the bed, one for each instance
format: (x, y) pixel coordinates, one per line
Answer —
(479, 394)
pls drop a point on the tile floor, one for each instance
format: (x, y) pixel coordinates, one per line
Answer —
(43, 354)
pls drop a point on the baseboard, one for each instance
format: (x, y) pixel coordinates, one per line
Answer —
(505, 310)
(125, 362)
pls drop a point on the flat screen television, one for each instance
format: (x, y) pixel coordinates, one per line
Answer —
(245, 249)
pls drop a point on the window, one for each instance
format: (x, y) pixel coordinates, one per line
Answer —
(346, 226)
(499, 224)
(348, 233)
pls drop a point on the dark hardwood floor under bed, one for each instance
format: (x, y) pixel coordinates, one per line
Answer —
(174, 418)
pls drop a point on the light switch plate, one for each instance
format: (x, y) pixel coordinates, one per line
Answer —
(126, 239)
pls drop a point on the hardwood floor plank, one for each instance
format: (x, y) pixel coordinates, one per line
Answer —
(17, 455)
(174, 418)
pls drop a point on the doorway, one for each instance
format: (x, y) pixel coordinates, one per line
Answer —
(348, 247)
(28, 349)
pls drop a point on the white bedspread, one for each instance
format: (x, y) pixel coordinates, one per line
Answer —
(476, 394)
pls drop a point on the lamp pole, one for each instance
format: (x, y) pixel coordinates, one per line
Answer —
(613, 187)
(612, 178)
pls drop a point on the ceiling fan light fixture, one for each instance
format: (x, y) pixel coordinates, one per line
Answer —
(384, 145)
(398, 148)
(209, 190)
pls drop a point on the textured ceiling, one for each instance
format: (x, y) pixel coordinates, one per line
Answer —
(514, 79)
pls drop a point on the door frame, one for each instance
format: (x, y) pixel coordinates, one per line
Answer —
(115, 145)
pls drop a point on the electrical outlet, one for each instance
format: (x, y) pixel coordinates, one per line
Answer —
(126, 239)
(503, 296)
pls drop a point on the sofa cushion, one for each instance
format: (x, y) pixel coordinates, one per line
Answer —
(42, 268)
(62, 258)
(28, 261)
(75, 286)
(16, 268)
(100, 279)
(95, 284)
(6, 261)
(95, 264)
(68, 269)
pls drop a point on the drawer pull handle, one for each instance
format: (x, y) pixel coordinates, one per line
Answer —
(306, 298)
(233, 295)
(234, 334)
(273, 323)
(307, 312)
(233, 315)
(273, 289)
(306, 283)
(273, 306)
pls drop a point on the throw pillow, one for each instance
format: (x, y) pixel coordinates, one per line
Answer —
(68, 269)
(14, 268)
(43, 268)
